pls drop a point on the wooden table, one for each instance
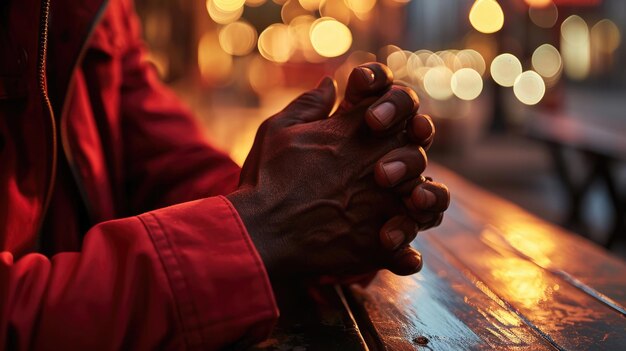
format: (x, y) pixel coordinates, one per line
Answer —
(495, 278)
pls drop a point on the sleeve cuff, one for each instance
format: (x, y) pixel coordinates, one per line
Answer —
(220, 284)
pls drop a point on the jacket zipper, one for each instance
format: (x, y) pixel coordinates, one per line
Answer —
(43, 90)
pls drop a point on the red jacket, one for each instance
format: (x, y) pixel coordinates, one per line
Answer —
(89, 140)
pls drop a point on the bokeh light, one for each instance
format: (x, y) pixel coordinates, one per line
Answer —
(330, 38)
(486, 16)
(275, 43)
(529, 88)
(255, 3)
(546, 61)
(484, 44)
(466, 84)
(416, 66)
(264, 76)
(397, 2)
(361, 8)
(472, 59)
(538, 3)
(575, 47)
(605, 35)
(238, 38)
(437, 83)
(505, 68)
(573, 29)
(397, 62)
(434, 60)
(450, 59)
(336, 9)
(229, 5)
(299, 29)
(292, 9)
(544, 17)
(222, 16)
(215, 65)
(310, 5)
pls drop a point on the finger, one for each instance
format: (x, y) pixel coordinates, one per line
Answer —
(398, 231)
(434, 222)
(405, 261)
(365, 81)
(400, 164)
(421, 130)
(313, 105)
(392, 109)
(406, 187)
(431, 196)
(426, 219)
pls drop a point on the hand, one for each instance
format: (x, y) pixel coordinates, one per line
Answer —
(425, 200)
(308, 194)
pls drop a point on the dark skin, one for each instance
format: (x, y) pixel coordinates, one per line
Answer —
(341, 195)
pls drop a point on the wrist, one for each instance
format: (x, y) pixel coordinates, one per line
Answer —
(249, 207)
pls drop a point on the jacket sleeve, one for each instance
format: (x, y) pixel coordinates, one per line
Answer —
(168, 159)
(186, 277)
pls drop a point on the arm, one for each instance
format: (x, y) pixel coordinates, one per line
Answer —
(181, 277)
(156, 281)
(168, 159)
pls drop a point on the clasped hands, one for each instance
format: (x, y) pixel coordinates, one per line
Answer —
(344, 194)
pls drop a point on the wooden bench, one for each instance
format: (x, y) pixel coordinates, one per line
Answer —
(495, 278)
(602, 146)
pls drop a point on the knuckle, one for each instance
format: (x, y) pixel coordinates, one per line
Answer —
(271, 124)
(266, 125)
(310, 99)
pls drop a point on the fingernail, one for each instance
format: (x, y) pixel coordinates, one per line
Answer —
(368, 74)
(396, 238)
(394, 171)
(417, 262)
(423, 128)
(384, 113)
(426, 199)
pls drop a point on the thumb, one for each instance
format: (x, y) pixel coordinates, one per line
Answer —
(366, 81)
(314, 104)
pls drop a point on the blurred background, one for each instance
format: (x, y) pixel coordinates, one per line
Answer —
(528, 96)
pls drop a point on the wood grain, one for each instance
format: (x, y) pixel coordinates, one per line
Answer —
(498, 278)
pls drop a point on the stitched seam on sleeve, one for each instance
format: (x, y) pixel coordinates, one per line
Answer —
(257, 261)
(190, 312)
(183, 302)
